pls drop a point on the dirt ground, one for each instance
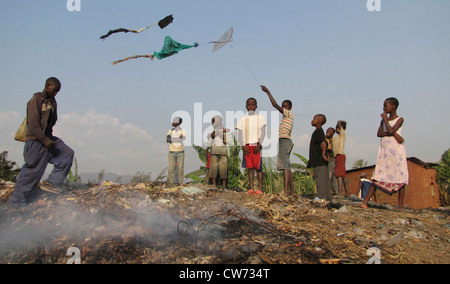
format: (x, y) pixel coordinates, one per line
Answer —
(194, 224)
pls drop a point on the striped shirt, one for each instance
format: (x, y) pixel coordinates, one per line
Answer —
(286, 125)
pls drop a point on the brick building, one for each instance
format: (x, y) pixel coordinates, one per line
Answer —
(421, 192)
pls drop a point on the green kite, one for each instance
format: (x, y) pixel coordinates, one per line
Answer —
(170, 48)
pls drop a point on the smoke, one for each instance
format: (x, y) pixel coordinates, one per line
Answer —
(58, 223)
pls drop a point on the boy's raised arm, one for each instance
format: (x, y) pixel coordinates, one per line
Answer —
(272, 100)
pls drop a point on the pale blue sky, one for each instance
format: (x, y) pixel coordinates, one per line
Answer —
(327, 56)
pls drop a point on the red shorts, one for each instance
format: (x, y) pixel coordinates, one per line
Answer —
(339, 170)
(252, 160)
(208, 162)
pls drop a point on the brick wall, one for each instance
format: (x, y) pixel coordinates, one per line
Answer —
(421, 192)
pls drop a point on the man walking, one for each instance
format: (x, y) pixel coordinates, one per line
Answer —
(42, 148)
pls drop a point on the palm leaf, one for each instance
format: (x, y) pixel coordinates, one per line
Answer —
(304, 160)
(201, 153)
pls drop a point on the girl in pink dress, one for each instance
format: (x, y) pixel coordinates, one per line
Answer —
(391, 171)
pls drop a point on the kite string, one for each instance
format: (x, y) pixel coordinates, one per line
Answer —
(246, 65)
(210, 42)
(256, 79)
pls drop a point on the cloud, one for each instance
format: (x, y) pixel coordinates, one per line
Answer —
(301, 140)
(102, 141)
(7, 119)
(9, 123)
(357, 149)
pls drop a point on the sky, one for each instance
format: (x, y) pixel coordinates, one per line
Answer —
(331, 57)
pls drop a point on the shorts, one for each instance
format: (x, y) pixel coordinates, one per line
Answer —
(285, 146)
(252, 160)
(219, 167)
(339, 170)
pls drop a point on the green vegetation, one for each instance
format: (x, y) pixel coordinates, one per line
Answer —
(272, 178)
(443, 178)
(73, 176)
(359, 164)
(8, 169)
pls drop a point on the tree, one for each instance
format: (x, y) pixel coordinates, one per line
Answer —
(201, 174)
(7, 171)
(141, 177)
(359, 164)
(443, 177)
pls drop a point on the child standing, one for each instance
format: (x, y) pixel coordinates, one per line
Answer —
(218, 140)
(338, 149)
(331, 160)
(175, 138)
(285, 144)
(318, 160)
(391, 170)
(251, 132)
(364, 185)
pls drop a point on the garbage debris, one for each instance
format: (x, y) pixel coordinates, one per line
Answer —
(193, 224)
(191, 190)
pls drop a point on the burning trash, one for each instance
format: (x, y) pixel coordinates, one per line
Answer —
(155, 224)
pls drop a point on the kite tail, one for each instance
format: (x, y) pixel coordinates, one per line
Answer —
(162, 24)
(103, 37)
(151, 56)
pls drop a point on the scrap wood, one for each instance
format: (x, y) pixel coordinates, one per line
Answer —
(266, 258)
(136, 240)
(392, 242)
(239, 214)
(416, 217)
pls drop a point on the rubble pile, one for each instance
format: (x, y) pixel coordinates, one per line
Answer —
(194, 224)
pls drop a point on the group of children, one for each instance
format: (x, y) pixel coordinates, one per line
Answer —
(390, 175)
(326, 152)
(251, 131)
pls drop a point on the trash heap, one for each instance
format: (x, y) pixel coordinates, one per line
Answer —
(196, 224)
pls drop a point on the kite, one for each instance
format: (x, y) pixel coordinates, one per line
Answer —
(223, 40)
(172, 47)
(162, 24)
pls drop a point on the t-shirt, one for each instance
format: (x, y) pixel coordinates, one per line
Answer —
(315, 151)
(339, 143)
(251, 126)
(218, 145)
(175, 135)
(286, 125)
